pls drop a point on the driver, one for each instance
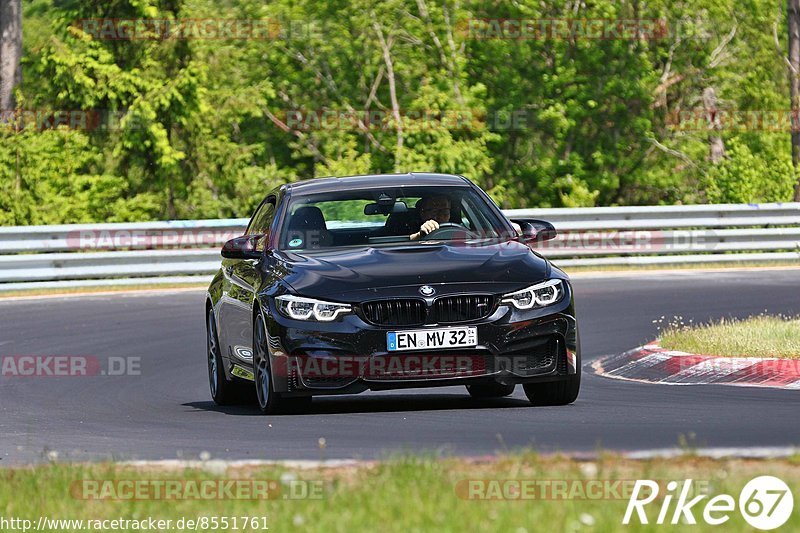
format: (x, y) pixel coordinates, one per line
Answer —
(434, 210)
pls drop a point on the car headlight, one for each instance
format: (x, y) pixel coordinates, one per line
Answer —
(539, 295)
(300, 308)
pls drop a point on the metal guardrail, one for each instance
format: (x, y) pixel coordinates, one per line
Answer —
(601, 236)
(77, 237)
(666, 216)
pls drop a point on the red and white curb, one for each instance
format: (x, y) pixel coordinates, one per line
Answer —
(653, 364)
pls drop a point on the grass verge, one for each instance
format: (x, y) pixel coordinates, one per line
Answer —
(101, 289)
(670, 267)
(403, 494)
(759, 336)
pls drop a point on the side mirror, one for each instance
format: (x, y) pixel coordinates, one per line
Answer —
(244, 247)
(533, 230)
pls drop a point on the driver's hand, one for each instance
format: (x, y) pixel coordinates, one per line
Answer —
(428, 227)
(425, 228)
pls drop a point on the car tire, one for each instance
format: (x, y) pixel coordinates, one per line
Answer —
(562, 392)
(269, 401)
(490, 390)
(223, 390)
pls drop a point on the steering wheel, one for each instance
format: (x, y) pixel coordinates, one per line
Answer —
(448, 230)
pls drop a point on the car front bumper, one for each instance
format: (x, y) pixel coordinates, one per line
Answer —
(349, 355)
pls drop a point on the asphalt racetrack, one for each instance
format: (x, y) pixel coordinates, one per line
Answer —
(165, 412)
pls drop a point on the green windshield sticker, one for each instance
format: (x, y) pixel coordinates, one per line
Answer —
(294, 243)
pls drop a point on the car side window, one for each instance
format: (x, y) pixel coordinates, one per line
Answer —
(263, 218)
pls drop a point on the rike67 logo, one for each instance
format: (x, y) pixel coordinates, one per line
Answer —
(765, 502)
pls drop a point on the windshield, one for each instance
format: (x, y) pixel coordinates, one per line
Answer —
(374, 217)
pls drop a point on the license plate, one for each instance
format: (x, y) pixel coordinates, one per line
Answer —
(428, 339)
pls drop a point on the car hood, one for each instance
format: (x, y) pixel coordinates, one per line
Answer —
(350, 275)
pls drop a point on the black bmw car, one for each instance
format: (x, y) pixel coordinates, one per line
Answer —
(340, 285)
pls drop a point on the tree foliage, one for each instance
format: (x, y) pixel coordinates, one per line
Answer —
(204, 127)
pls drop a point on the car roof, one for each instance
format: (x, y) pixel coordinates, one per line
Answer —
(318, 185)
